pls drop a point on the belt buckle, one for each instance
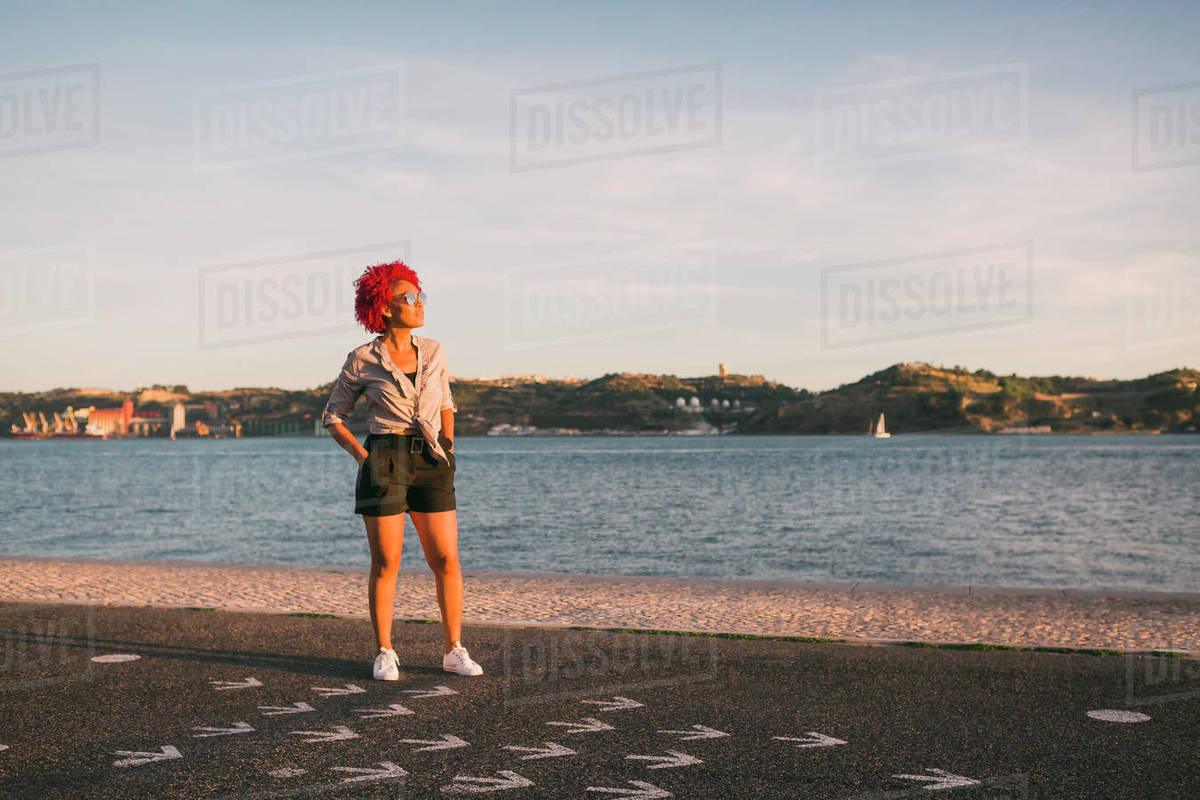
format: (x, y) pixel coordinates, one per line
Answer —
(416, 444)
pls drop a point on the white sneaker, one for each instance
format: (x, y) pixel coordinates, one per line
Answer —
(387, 665)
(459, 661)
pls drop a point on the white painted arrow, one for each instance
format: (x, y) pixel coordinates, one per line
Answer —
(549, 751)
(3, 747)
(246, 684)
(137, 757)
(700, 732)
(393, 710)
(616, 704)
(238, 727)
(942, 780)
(338, 732)
(331, 691)
(814, 740)
(587, 724)
(448, 742)
(511, 780)
(390, 770)
(298, 707)
(437, 691)
(676, 759)
(643, 790)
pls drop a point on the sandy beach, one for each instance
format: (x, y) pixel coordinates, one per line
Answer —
(868, 613)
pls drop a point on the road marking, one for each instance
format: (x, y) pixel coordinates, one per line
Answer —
(249, 683)
(643, 790)
(138, 757)
(437, 691)
(298, 707)
(238, 727)
(338, 733)
(700, 732)
(616, 704)
(115, 658)
(551, 750)
(448, 742)
(287, 772)
(815, 740)
(1117, 715)
(942, 780)
(390, 770)
(587, 724)
(3, 747)
(393, 710)
(511, 780)
(676, 759)
(333, 691)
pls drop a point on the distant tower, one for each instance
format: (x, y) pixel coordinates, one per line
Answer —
(723, 369)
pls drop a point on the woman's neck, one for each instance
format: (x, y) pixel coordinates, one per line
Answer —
(399, 339)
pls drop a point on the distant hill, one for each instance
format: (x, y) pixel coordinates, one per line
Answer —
(921, 397)
(915, 396)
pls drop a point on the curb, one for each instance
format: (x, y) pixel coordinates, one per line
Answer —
(854, 641)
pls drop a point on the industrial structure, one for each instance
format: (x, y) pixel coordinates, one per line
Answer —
(122, 422)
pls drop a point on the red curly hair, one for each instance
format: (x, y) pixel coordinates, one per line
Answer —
(373, 292)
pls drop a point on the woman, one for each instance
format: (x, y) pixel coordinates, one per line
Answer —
(407, 462)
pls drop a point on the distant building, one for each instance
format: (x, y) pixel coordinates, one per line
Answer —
(148, 423)
(178, 418)
(507, 429)
(111, 421)
(723, 369)
(512, 379)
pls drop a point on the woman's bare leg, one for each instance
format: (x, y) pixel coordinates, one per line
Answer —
(385, 535)
(439, 539)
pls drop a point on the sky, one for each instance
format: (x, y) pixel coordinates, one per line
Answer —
(810, 192)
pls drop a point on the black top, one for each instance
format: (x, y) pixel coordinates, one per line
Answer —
(412, 376)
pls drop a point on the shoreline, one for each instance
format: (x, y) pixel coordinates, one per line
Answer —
(857, 612)
(894, 434)
(590, 577)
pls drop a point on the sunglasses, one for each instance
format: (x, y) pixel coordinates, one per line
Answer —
(412, 297)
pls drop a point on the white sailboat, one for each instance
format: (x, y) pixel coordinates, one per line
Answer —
(879, 431)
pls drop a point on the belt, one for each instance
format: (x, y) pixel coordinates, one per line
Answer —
(415, 442)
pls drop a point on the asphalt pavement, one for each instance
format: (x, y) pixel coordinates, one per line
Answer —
(141, 702)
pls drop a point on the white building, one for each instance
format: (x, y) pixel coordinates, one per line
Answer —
(178, 418)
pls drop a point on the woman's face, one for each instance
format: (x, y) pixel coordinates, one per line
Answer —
(404, 315)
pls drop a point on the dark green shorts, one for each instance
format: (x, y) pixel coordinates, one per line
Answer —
(400, 474)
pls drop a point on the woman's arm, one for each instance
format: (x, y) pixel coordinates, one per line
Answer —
(345, 393)
(448, 404)
(448, 426)
(349, 442)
